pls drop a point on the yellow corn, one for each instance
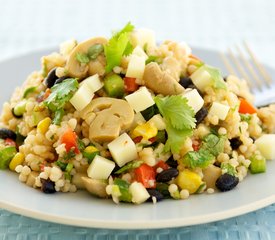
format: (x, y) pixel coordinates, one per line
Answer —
(90, 149)
(146, 130)
(43, 125)
(16, 160)
(189, 180)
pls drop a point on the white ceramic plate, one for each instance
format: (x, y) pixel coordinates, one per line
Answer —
(81, 209)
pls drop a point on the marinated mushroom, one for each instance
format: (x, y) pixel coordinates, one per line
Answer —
(111, 116)
(95, 187)
(161, 81)
(74, 67)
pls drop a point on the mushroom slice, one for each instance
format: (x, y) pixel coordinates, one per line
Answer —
(75, 68)
(112, 116)
(95, 187)
(161, 81)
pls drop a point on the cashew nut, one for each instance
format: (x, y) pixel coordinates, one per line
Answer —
(161, 81)
(111, 116)
(77, 69)
(95, 187)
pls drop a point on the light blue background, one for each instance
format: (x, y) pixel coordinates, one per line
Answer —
(27, 25)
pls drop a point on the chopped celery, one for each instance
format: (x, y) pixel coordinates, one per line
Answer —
(258, 164)
(114, 85)
(6, 154)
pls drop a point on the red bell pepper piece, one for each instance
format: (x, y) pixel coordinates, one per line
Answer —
(146, 175)
(130, 84)
(161, 164)
(69, 138)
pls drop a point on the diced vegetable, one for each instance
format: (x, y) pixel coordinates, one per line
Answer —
(19, 109)
(93, 83)
(258, 164)
(161, 164)
(123, 149)
(194, 99)
(265, 145)
(114, 85)
(146, 175)
(6, 155)
(82, 98)
(16, 160)
(100, 168)
(136, 67)
(246, 107)
(139, 193)
(129, 166)
(130, 84)
(228, 168)
(28, 91)
(149, 112)
(158, 121)
(189, 180)
(140, 100)
(125, 196)
(37, 117)
(201, 158)
(69, 138)
(219, 110)
(90, 152)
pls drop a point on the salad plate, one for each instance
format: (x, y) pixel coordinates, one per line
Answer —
(82, 209)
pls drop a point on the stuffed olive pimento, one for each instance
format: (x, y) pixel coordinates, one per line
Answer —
(128, 119)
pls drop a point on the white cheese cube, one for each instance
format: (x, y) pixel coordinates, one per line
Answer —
(140, 100)
(93, 83)
(123, 149)
(142, 37)
(138, 51)
(139, 193)
(100, 168)
(201, 79)
(158, 122)
(265, 145)
(82, 98)
(136, 67)
(220, 110)
(194, 99)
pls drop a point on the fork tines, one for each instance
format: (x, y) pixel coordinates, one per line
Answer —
(248, 68)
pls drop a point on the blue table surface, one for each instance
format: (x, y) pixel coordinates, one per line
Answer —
(215, 24)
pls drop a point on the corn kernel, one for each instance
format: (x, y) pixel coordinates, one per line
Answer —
(90, 149)
(18, 159)
(43, 125)
(189, 180)
(146, 130)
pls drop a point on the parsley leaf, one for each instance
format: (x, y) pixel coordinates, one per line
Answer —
(176, 111)
(60, 94)
(179, 118)
(82, 58)
(118, 46)
(216, 76)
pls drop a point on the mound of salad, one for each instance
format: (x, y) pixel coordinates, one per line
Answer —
(132, 120)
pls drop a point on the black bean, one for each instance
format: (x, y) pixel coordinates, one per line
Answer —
(201, 114)
(172, 162)
(7, 133)
(167, 175)
(226, 182)
(155, 193)
(185, 81)
(60, 80)
(49, 81)
(235, 143)
(47, 186)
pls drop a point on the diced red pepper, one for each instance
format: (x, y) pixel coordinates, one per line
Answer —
(146, 175)
(161, 164)
(153, 139)
(130, 84)
(69, 138)
(10, 142)
(246, 107)
(137, 139)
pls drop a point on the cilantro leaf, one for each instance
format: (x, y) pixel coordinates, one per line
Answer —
(60, 94)
(214, 144)
(82, 58)
(176, 138)
(216, 76)
(94, 51)
(228, 168)
(176, 111)
(118, 46)
(245, 117)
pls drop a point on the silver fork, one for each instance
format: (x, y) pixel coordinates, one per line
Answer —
(257, 77)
